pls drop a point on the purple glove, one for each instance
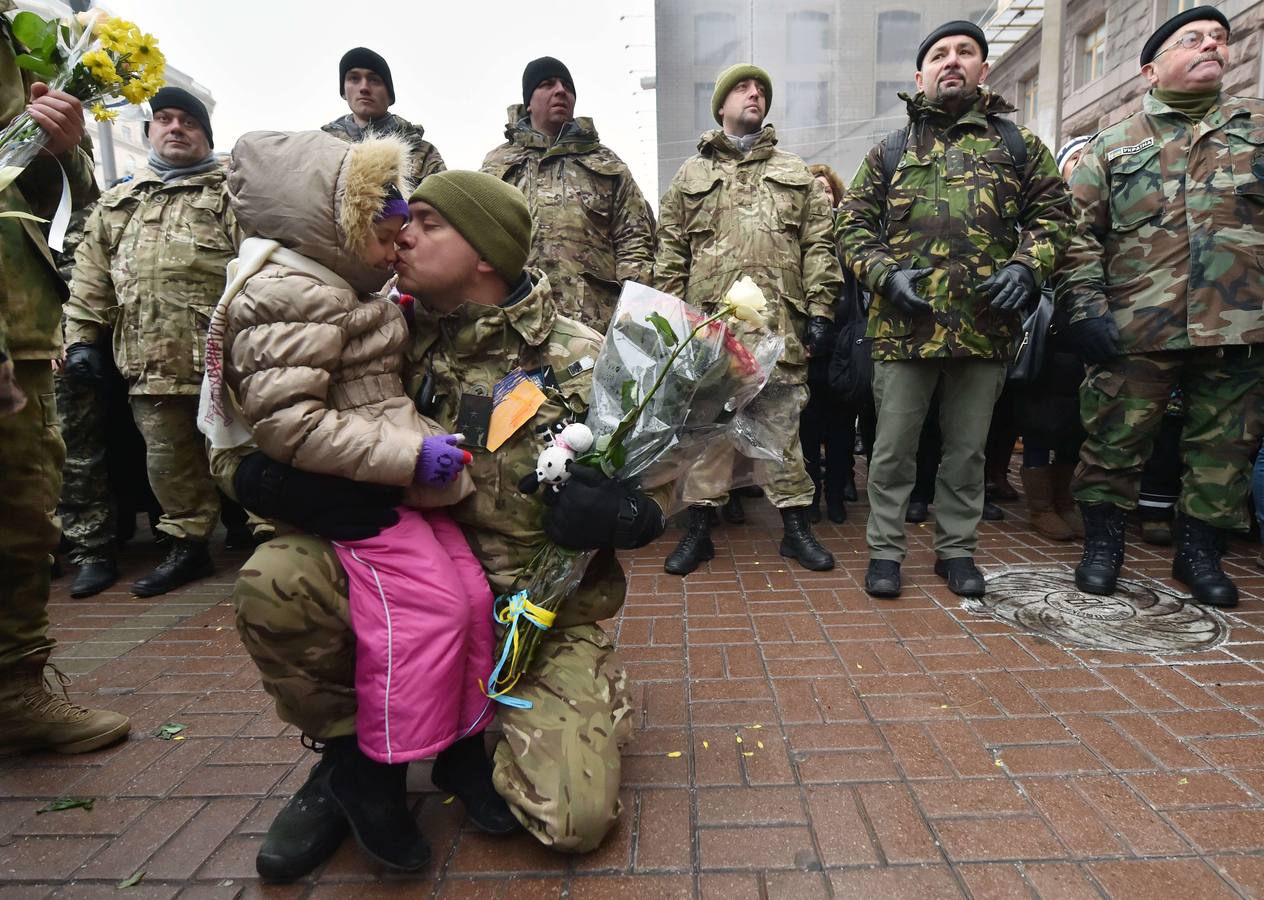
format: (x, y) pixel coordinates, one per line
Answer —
(441, 460)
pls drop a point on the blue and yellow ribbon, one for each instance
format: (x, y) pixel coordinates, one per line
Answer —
(511, 612)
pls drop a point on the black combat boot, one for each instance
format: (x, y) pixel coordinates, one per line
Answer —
(464, 770)
(306, 832)
(882, 579)
(695, 547)
(187, 560)
(1103, 548)
(95, 575)
(918, 511)
(374, 798)
(732, 510)
(798, 543)
(1197, 563)
(963, 577)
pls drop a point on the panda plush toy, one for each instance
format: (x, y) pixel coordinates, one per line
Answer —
(553, 467)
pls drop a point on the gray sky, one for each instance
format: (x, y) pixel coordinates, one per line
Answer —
(457, 66)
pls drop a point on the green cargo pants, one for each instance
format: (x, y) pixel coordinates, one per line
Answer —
(558, 764)
(1122, 405)
(87, 504)
(179, 473)
(902, 393)
(31, 456)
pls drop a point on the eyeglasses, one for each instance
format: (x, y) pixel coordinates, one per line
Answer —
(1192, 40)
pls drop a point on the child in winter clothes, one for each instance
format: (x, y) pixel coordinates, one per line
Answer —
(314, 359)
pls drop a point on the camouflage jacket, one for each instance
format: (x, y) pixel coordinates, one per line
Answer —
(151, 268)
(31, 292)
(468, 351)
(1170, 238)
(425, 156)
(957, 204)
(762, 214)
(593, 228)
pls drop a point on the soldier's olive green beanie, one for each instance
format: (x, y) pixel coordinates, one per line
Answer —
(729, 79)
(490, 214)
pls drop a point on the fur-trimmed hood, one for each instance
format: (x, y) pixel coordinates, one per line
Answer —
(316, 194)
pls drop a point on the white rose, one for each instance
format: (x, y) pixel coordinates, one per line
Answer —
(91, 19)
(748, 301)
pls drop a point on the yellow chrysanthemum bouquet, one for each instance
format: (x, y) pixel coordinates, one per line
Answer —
(93, 56)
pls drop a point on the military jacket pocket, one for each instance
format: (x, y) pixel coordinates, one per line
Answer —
(700, 203)
(999, 177)
(1247, 151)
(912, 186)
(1136, 190)
(789, 195)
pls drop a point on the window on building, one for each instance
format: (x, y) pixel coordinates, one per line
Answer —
(899, 33)
(807, 37)
(715, 40)
(807, 104)
(1030, 106)
(703, 120)
(886, 94)
(1091, 55)
(1169, 8)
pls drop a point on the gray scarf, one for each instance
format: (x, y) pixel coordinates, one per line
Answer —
(167, 172)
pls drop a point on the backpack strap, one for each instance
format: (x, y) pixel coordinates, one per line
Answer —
(893, 147)
(1014, 143)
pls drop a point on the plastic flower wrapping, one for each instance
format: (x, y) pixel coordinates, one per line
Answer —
(92, 56)
(670, 405)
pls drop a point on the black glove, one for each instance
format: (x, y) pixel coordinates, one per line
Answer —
(818, 336)
(1097, 339)
(325, 505)
(593, 512)
(1012, 288)
(899, 291)
(86, 362)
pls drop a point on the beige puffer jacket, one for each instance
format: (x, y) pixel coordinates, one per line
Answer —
(315, 363)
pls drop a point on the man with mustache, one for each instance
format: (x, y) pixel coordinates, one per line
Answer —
(1164, 282)
(743, 207)
(593, 228)
(150, 270)
(952, 222)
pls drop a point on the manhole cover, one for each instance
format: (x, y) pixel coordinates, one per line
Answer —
(1145, 617)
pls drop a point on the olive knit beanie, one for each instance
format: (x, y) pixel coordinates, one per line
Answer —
(729, 79)
(490, 214)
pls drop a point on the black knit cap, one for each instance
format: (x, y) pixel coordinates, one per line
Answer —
(364, 58)
(949, 29)
(541, 70)
(1174, 24)
(179, 98)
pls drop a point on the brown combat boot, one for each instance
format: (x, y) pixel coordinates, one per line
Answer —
(32, 717)
(1064, 504)
(1038, 485)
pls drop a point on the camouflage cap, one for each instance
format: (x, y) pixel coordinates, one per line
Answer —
(490, 214)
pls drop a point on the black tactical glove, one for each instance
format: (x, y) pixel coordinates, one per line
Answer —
(86, 362)
(818, 336)
(1097, 339)
(324, 505)
(593, 512)
(1010, 289)
(899, 291)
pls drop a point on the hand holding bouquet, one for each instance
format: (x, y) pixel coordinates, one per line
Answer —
(93, 57)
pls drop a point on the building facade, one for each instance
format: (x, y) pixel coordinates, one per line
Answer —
(1096, 67)
(837, 67)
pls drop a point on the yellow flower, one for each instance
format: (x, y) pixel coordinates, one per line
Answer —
(114, 35)
(747, 300)
(101, 67)
(136, 91)
(101, 114)
(145, 50)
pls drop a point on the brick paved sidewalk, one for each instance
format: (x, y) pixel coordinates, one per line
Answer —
(794, 739)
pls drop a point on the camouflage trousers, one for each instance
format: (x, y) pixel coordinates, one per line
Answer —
(786, 483)
(179, 473)
(31, 454)
(1122, 405)
(557, 764)
(87, 503)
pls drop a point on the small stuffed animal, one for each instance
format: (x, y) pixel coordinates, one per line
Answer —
(554, 464)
